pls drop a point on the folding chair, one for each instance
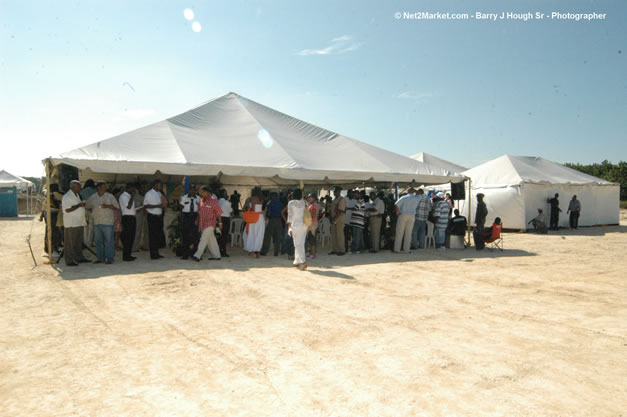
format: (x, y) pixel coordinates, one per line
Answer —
(324, 232)
(430, 237)
(236, 232)
(496, 238)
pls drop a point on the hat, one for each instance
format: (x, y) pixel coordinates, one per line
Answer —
(440, 195)
(480, 195)
(75, 182)
(99, 183)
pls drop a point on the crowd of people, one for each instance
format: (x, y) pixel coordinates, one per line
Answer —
(282, 223)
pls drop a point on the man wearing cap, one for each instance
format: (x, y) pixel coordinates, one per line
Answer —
(154, 210)
(338, 210)
(74, 222)
(481, 213)
(102, 205)
(405, 208)
(189, 231)
(129, 222)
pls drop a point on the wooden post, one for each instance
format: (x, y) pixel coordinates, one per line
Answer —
(302, 185)
(50, 260)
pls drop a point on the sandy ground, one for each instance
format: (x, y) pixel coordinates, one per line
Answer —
(537, 330)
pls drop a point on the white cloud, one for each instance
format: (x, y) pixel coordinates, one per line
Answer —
(133, 114)
(417, 97)
(338, 46)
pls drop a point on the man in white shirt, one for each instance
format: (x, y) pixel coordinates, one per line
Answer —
(127, 206)
(189, 230)
(102, 205)
(227, 211)
(375, 218)
(154, 210)
(74, 224)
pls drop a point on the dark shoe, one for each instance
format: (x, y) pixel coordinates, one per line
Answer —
(332, 253)
(132, 258)
(226, 255)
(341, 253)
(196, 259)
(262, 254)
(276, 254)
(71, 264)
(84, 261)
(185, 257)
(108, 262)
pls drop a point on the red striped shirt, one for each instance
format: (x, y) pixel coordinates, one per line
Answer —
(208, 212)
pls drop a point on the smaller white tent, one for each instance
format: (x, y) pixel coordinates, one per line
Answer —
(515, 187)
(449, 167)
(9, 180)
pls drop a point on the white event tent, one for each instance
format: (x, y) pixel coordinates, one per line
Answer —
(9, 180)
(516, 186)
(438, 162)
(237, 141)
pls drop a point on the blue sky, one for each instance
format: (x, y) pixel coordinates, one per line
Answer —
(74, 72)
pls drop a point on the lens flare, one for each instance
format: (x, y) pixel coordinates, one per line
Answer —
(265, 138)
(189, 14)
(196, 27)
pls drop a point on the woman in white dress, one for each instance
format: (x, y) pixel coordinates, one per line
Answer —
(297, 228)
(253, 233)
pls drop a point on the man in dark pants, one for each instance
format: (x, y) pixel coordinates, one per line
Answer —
(274, 230)
(555, 212)
(481, 214)
(227, 211)
(129, 223)
(189, 230)
(154, 210)
(574, 208)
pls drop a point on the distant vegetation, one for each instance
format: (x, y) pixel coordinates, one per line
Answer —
(608, 171)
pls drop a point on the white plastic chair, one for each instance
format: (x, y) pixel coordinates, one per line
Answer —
(430, 236)
(236, 232)
(324, 232)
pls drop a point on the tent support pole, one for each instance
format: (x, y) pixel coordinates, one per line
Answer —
(302, 185)
(469, 209)
(50, 260)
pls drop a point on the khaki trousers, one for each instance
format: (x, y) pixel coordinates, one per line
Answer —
(404, 228)
(208, 239)
(375, 231)
(337, 236)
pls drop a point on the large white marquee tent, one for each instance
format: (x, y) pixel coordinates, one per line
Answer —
(240, 142)
(434, 161)
(516, 186)
(9, 180)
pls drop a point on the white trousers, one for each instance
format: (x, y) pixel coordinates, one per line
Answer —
(208, 239)
(299, 234)
(404, 228)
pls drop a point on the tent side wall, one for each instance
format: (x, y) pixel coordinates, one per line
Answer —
(506, 202)
(599, 203)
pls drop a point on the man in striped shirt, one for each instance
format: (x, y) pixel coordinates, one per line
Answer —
(209, 212)
(440, 212)
(358, 220)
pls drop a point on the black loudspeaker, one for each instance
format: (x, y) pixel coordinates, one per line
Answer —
(65, 175)
(458, 191)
